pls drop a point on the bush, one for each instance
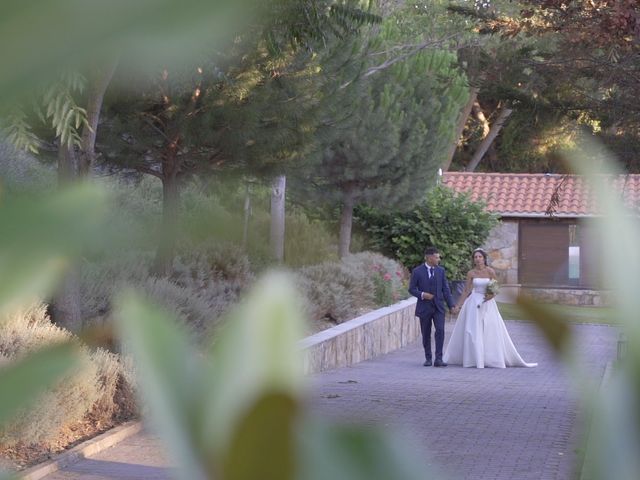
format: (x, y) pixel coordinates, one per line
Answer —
(104, 278)
(340, 291)
(91, 390)
(21, 171)
(206, 281)
(201, 265)
(451, 222)
(307, 242)
(390, 278)
(334, 290)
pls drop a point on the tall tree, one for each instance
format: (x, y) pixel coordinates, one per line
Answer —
(582, 60)
(383, 136)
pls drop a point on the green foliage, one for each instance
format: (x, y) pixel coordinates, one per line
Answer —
(55, 106)
(68, 221)
(340, 291)
(219, 218)
(20, 171)
(390, 279)
(335, 291)
(306, 242)
(314, 23)
(237, 411)
(451, 222)
(206, 281)
(147, 32)
(383, 132)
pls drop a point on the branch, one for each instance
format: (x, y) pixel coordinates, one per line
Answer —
(413, 50)
(148, 170)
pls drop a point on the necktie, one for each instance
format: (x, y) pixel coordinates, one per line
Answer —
(430, 272)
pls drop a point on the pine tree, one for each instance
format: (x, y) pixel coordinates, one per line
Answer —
(383, 136)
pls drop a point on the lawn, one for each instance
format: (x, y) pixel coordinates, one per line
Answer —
(512, 311)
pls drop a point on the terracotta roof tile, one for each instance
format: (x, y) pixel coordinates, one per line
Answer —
(525, 194)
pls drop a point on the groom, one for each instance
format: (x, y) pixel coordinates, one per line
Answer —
(429, 284)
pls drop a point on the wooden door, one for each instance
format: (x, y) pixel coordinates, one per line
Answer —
(544, 253)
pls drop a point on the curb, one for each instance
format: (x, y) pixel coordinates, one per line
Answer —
(85, 449)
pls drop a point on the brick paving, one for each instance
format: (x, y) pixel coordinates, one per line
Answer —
(515, 423)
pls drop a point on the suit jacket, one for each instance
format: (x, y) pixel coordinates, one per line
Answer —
(420, 283)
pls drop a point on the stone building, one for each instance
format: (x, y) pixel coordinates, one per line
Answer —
(543, 245)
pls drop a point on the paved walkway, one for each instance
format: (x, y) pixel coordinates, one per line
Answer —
(514, 423)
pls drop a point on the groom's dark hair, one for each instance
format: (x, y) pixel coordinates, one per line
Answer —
(430, 251)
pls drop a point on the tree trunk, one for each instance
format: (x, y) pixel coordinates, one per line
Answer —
(462, 121)
(346, 223)
(67, 165)
(247, 214)
(477, 110)
(486, 143)
(65, 306)
(170, 211)
(277, 217)
(98, 84)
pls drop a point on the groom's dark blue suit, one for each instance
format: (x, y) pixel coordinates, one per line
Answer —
(431, 310)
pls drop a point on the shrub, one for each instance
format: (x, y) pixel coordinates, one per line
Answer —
(340, 291)
(390, 278)
(201, 265)
(207, 279)
(334, 290)
(102, 279)
(116, 392)
(23, 331)
(21, 171)
(452, 222)
(307, 242)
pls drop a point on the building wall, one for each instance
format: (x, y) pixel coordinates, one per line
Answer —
(502, 249)
(567, 296)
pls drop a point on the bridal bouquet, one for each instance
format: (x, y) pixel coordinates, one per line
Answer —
(493, 287)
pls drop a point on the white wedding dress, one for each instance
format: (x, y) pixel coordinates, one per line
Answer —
(480, 338)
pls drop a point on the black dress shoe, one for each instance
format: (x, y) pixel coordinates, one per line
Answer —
(427, 363)
(439, 363)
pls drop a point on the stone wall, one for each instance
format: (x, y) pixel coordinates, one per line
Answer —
(502, 249)
(362, 338)
(569, 296)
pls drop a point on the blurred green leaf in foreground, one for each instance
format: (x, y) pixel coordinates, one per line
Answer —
(38, 39)
(614, 440)
(613, 408)
(236, 412)
(38, 236)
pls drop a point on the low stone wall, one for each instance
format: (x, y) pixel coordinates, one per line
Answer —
(559, 296)
(569, 296)
(364, 337)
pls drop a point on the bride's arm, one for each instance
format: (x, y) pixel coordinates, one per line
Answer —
(467, 290)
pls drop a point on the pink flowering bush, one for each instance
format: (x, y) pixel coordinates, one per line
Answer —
(389, 278)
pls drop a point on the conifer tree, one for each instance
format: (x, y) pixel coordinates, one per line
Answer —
(384, 132)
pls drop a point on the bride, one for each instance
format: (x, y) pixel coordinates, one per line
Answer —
(480, 338)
